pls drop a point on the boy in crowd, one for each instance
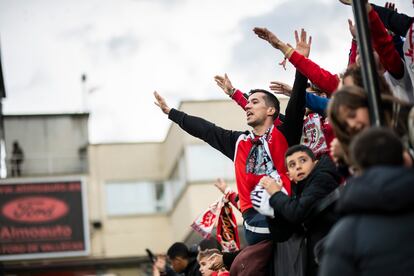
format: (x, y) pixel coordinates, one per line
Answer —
(204, 261)
(312, 180)
(182, 261)
(375, 235)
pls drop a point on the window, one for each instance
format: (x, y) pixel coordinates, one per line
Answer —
(127, 198)
(198, 163)
(206, 163)
(176, 183)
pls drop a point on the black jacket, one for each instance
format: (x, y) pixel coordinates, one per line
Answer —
(193, 268)
(320, 182)
(376, 234)
(296, 214)
(396, 22)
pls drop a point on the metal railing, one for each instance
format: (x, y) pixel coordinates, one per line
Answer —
(48, 165)
(369, 73)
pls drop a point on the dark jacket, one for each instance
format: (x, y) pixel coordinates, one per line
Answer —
(396, 22)
(375, 236)
(168, 272)
(193, 268)
(297, 213)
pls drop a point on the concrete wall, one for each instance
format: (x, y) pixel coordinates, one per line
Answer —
(125, 235)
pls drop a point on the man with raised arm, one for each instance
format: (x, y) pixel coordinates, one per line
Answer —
(256, 153)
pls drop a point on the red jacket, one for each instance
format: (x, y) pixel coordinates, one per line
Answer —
(247, 181)
(323, 79)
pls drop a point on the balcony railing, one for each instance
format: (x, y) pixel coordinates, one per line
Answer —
(48, 165)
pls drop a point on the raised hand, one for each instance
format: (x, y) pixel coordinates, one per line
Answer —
(302, 45)
(158, 267)
(221, 185)
(216, 262)
(352, 29)
(155, 271)
(391, 6)
(160, 263)
(161, 103)
(270, 37)
(280, 88)
(225, 84)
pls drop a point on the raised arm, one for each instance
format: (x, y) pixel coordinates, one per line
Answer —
(396, 22)
(235, 94)
(282, 88)
(221, 139)
(317, 103)
(295, 110)
(225, 84)
(314, 102)
(384, 45)
(161, 103)
(354, 45)
(232, 196)
(323, 79)
(273, 40)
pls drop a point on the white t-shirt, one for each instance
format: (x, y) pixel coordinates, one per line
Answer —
(402, 88)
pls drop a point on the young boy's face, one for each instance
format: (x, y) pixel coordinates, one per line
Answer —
(299, 166)
(204, 267)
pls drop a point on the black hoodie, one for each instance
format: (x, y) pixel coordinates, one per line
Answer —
(376, 234)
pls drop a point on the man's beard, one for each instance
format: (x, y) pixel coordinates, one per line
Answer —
(254, 123)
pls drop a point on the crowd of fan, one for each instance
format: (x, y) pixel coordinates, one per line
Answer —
(321, 191)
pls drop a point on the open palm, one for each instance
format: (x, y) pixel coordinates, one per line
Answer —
(302, 45)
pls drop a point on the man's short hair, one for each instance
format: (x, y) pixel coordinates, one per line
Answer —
(298, 148)
(178, 249)
(376, 146)
(270, 100)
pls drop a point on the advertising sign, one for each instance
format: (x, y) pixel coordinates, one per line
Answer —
(43, 219)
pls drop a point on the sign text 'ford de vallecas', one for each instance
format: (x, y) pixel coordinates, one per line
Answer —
(43, 219)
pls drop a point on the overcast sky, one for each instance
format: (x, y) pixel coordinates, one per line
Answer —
(129, 48)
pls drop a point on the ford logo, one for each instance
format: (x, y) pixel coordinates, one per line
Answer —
(35, 209)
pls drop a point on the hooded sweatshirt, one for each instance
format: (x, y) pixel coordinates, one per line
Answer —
(375, 236)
